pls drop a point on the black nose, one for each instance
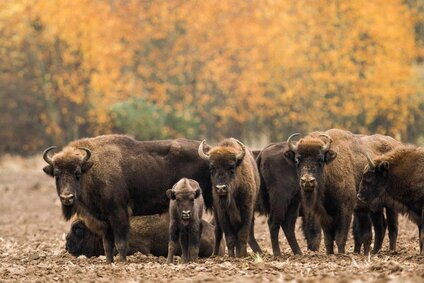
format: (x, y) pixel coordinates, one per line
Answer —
(308, 182)
(221, 189)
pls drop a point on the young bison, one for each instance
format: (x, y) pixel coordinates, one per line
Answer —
(235, 187)
(99, 178)
(148, 235)
(396, 179)
(185, 213)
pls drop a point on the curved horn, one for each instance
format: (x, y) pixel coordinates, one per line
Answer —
(201, 153)
(292, 147)
(241, 155)
(326, 146)
(46, 155)
(87, 154)
(370, 161)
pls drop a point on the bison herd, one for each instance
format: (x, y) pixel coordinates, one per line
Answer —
(125, 195)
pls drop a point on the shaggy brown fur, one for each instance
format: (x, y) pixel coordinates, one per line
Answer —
(185, 210)
(148, 235)
(280, 199)
(235, 187)
(330, 178)
(122, 172)
(397, 179)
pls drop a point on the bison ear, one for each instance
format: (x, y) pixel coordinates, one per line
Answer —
(289, 155)
(86, 166)
(197, 193)
(170, 194)
(48, 170)
(330, 155)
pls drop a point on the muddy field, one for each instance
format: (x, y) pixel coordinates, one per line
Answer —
(32, 239)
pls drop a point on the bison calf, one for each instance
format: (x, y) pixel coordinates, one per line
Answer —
(185, 212)
(235, 188)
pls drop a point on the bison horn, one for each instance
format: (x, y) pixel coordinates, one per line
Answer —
(202, 154)
(46, 155)
(326, 146)
(87, 154)
(241, 155)
(370, 161)
(292, 147)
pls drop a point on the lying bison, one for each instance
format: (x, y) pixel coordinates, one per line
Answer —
(185, 226)
(148, 235)
(396, 179)
(329, 166)
(280, 199)
(235, 187)
(99, 178)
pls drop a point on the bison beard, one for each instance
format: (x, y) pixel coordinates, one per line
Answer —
(101, 177)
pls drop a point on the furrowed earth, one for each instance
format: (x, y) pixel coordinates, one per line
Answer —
(32, 240)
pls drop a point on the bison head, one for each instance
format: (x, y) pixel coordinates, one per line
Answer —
(81, 241)
(374, 182)
(68, 167)
(183, 194)
(310, 155)
(223, 163)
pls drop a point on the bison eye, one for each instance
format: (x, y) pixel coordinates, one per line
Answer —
(297, 161)
(320, 162)
(78, 176)
(212, 169)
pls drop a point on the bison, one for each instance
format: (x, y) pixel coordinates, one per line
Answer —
(185, 211)
(280, 198)
(329, 166)
(235, 187)
(396, 179)
(99, 178)
(148, 235)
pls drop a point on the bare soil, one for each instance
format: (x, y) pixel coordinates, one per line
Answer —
(32, 239)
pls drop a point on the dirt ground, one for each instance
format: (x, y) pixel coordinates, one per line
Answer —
(32, 239)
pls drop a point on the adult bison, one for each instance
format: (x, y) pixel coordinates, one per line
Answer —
(280, 199)
(100, 178)
(148, 235)
(329, 166)
(396, 178)
(235, 187)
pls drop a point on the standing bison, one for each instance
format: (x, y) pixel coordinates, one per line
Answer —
(280, 199)
(329, 166)
(396, 178)
(235, 187)
(105, 177)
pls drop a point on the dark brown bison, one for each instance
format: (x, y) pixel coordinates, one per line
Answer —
(99, 178)
(148, 235)
(185, 214)
(396, 179)
(280, 199)
(329, 166)
(235, 187)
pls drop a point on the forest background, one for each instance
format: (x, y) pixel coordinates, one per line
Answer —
(257, 70)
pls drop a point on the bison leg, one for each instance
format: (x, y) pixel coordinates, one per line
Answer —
(341, 233)
(329, 236)
(120, 227)
(218, 235)
(288, 226)
(274, 227)
(380, 225)
(194, 243)
(173, 242)
(252, 240)
(362, 232)
(184, 242)
(108, 243)
(392, 225)
(230, 239)
(312, 231)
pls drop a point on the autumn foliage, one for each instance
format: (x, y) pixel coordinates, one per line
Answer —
(248, 69)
